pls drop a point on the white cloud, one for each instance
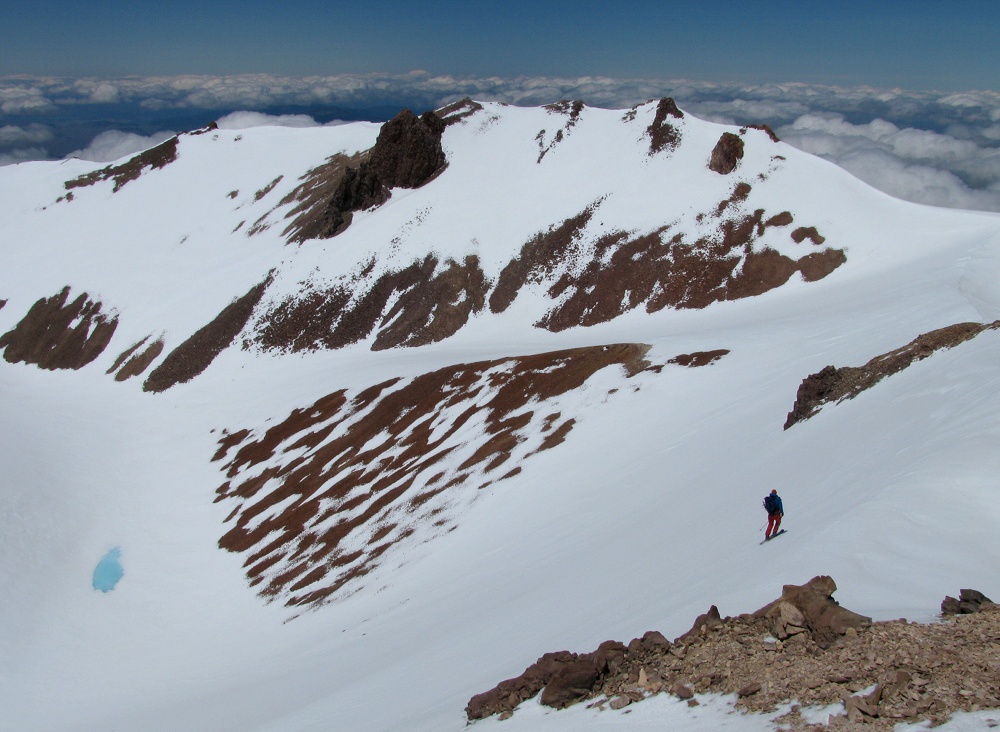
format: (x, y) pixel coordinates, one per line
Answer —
(22, 155)
(244, 119)
(16, 136)
(17, 98)
(941, 148)
(114, 144)
(916, 165)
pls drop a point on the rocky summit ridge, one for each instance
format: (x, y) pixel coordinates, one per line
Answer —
(801, 651)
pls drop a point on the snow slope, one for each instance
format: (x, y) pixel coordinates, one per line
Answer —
(646, 514)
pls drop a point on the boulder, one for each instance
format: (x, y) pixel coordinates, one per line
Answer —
(727, 154)
(708, 620)
(571, 683)
(968, 602)
(506, 695)
(825, 619)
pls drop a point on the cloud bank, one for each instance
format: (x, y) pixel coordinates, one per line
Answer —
(925, 146)
(114, 144)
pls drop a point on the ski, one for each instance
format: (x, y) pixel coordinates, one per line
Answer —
(778, 534)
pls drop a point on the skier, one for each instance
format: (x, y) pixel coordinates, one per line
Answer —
(772, 504)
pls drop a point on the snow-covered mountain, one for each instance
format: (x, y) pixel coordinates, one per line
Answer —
(374, 416)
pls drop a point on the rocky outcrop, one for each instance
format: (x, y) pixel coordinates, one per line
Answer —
(833, 384)
(458, 111)
(197, 353)
(596, 281)
(727, 154)
(908, 672)
(407, 154)
(968, 602)
(662, 134)
(423, 303)
(408, 150)
(811, 607)
(568, 668)
(56, 334)
(766, 129)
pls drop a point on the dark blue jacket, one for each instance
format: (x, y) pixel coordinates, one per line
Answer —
(778, 508)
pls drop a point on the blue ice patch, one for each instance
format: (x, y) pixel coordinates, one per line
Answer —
(108, 571)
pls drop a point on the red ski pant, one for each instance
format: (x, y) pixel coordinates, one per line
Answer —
(773, 522)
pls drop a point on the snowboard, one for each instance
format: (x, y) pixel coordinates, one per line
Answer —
(778, 534)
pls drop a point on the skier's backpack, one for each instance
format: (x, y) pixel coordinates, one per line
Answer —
(770, 504)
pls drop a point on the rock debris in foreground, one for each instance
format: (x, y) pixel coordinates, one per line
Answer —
(802, 648)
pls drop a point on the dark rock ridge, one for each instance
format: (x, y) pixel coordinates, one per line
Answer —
(662, 134)
(658, 269)
(727, 154)
(59, 335)
(428, 300)
(763, 128)
(458, 111)
(699, 358)
(197, 353)
(832, 384)
(407, 154)
(807, 609)
(404, 457)
(968, 602)
(572, 110)
(420, 304)
(803, 647)
(154, 158)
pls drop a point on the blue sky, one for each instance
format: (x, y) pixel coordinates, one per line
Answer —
(912, 44)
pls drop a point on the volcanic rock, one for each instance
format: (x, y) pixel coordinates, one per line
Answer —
(727, 154)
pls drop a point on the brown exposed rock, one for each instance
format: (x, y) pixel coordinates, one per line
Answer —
(538, 259)
(968, 602)
(807, 232)
(699, 358)
(436, 308)
(265, 190)
(727, 154)
(408, 150)
(407, 154)
(197, 353)
(621, 271)
(319, 198)
(702, 624)
(572, 110)
(767, 129)
(369, 469)
(130, 363)
(571, 683)
(836, 384)
(153, 158)
(662, 134)
(59, 335)
(458, 111)
(812, 606)
(506, 695)
(426, 303)
(782, 219)
(915, 672)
